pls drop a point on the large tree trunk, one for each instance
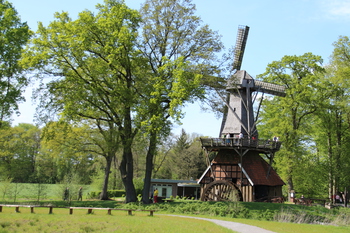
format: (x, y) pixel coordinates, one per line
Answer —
(126, 171)
(149, 168)
(290, 182)
(104, 194)
(331, 190)
(127, 163)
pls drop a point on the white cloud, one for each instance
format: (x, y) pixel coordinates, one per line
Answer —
(337, 8)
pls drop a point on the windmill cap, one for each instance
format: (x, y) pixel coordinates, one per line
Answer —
(240, 79)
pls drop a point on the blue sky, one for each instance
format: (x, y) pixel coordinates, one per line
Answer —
(277, 28)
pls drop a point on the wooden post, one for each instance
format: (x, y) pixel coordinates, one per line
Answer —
(31, 209)
(50, 209)
(17, 209)
(109, 212)
(129, 212)
(0, 208)
(89, 211)
(151, 213)
(70, 211)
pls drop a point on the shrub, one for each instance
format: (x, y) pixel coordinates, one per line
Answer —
(110, 193)
(116, 193)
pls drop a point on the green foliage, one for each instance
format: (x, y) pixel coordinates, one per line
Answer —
(110, 193)
(178, 50)
(96, 77)
(5, 187)
(19, 148)
(40, 191)
(289, 116)
(184, 160)
(13, 36)
(224, 209)
(66, 149)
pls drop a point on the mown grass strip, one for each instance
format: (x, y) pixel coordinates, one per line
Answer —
(98, 221)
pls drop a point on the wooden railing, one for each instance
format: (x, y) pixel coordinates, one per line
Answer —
(243, 142)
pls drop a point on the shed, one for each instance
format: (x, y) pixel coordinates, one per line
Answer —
(181, 188)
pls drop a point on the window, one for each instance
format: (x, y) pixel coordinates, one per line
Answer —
(164, 192)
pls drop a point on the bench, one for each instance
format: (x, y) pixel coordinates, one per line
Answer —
(16, 207)
(25, 206)
(130, 211)
(109, 210)
(150, 212)
(89, 209)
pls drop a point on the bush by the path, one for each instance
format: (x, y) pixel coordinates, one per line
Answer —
(254, 210)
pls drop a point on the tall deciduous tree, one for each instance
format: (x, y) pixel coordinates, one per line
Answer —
(179, 51)
(332, 127)
(14, 34)
(19, 149)
(289, 116)
(95, 71)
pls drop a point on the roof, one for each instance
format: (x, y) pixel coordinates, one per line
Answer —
(257, 169)
(254, 167)
(168, 181)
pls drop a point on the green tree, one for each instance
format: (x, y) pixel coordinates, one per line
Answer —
(332, 127)
(19, 149)
(13, 36)
(289, 116)
(179, 51)
(95, 69)
(187, 158)
(66, 151)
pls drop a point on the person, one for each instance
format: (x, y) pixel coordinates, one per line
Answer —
(80, 194)
(155, 195)
(240, 136)
(337, 198)
(274, 138)
(227, 138)
(66, 194)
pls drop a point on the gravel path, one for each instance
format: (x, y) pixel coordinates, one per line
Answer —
(235, 226)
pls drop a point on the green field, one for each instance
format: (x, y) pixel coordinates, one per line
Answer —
(120, 221)
(98, 221)
(258, 214)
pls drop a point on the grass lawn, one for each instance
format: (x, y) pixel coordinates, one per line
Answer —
(99, 221)
(119, 221)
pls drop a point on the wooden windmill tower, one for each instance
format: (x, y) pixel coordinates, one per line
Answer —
(238, 171)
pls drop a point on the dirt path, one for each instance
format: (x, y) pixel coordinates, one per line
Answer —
(235, 226)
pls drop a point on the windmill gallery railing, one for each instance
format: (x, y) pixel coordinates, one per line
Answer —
(259, 144)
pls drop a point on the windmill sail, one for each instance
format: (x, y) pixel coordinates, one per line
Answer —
(241, 41)
(270, 88)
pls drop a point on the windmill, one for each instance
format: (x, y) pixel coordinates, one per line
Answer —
(238, 167)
